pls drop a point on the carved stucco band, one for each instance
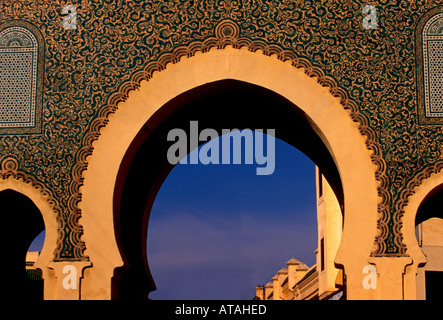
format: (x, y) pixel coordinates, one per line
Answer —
(227, 33)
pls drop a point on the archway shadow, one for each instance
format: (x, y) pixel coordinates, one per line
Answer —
(23, 222)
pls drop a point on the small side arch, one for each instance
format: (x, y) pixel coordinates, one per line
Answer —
(425, 196)
(26, 212)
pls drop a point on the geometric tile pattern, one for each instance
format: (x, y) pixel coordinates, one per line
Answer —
(18, 78)
(433, 66)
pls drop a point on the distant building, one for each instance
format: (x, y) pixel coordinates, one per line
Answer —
(299, 282)
(429, 277)
(32, 289)
(324, 281)
(31, 272)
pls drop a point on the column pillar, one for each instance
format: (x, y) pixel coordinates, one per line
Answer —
(390, 271)
(68, 276)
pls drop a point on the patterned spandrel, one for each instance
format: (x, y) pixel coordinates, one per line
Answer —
(18, 78)
(433, 66)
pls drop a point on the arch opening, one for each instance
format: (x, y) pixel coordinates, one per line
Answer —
(21, 215)
(429, 233)
(224, 104)
(431, 206)
(218, 231)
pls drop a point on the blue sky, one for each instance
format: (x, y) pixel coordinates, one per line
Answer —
(218, 231)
